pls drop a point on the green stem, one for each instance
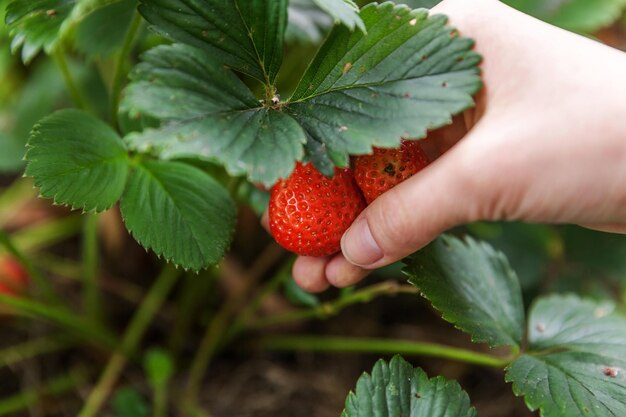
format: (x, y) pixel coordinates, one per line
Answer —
(41, 283)
(333, 308)
(63, 317)
(381, 347)
(218, 327)
(135, 331)
(60, 385)
(32, 348)
(120, 67)
(192, 296)
(160, 402)
(45, 234)
(241, 323)
(91, 294)
(72, 87)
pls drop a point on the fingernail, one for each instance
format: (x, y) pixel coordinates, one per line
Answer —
(358, 245)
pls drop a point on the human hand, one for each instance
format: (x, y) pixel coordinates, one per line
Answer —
(546, 143)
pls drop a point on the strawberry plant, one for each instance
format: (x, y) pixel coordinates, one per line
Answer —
(161, 123)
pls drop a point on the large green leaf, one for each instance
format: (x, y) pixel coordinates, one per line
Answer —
(473, 286)
(344, 11)
(211, 114)
(247, 35)
(408, 74)
(397, 389)
(576, 362)
(576, 15)
(35, 24)
(77, 160)
(102, 31)
(179, 212)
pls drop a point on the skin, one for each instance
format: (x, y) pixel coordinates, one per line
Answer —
(546, 143)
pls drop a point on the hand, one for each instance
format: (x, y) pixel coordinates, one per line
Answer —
(546, 143)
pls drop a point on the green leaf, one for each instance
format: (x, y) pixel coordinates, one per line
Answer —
(103, 30)
(577, 360)
(179, 212)
(307, 22)
(416, 4)
(246, 35)
(344, 11)
(159, 367)
(397, 389)
(410, 73)
(35, 24)
(127, 402)
(577, 15)
(77, 160)
(211, 114)
(473, 286)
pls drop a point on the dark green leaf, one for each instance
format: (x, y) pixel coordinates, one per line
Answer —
(35, 24)
(344, 11)
(397, 389)
(473, 286)
(577, 360)
(179, 212)
(416, 4)
(307, 22)
(246, 35)
(102, 31)
(576, 15)
(77, 160)
(410, 73)
(528, 247)
(129, 403)
(211, 115)
(159, 367)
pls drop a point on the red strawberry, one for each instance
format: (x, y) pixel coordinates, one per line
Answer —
(13, 277)
(386, 168)
(310, 212)
(14, 281)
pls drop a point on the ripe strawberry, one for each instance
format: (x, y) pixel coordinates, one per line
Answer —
(14, 280)
(386, 168)
(310, 212)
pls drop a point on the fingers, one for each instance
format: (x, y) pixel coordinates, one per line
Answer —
(409, 216)
(310, 273)
(318, 274)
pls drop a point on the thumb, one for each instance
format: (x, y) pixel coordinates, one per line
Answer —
(410, 215)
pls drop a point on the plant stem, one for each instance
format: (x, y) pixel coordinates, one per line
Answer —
(333, 308)
(218, 327)
(381, 347)
(63, 317)
(41, 283)
(120, 67)
(160, 402)
(41, 235)
(252, 307)
(91, 294)
(32, 348)
(57, 386)
(135, 331)
(72, 87)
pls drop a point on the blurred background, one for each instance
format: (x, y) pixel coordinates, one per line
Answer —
(76, 280)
